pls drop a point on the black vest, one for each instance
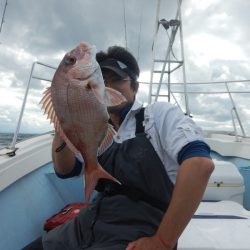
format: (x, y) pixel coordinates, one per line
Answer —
(137, 166)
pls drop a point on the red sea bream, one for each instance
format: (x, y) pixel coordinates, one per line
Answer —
(77, 104)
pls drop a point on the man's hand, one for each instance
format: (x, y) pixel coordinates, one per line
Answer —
(147, 243)
(64, 159)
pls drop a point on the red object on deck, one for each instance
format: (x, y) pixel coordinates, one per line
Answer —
(64, 215)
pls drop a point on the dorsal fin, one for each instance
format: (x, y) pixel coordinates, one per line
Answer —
(48, 107)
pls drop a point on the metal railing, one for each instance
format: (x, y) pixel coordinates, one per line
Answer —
(234, 111)
(31, 76)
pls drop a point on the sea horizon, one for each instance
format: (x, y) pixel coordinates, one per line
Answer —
(6, 138)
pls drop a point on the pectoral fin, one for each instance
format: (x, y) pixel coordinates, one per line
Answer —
(110, 98)
(113, 97)
(108, 139)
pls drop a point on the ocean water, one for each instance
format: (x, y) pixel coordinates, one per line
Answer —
(6, 138)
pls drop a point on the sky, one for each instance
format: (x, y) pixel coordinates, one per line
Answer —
(216, 48)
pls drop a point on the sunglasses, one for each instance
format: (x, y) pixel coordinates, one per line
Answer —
(116, 80)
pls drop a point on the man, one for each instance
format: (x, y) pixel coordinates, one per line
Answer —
(159, 156)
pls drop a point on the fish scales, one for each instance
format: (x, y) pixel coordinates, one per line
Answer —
(88, 118)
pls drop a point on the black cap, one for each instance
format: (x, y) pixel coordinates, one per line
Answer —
(118, 67)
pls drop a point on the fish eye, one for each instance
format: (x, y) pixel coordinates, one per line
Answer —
(70, 60)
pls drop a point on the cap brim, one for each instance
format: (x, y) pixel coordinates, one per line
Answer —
(116, 70)
(118, 67)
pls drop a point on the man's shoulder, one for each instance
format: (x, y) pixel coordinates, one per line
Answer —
(160, 104)
(154, 106)
(162, 109)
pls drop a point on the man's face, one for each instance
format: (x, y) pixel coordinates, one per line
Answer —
(123, 85)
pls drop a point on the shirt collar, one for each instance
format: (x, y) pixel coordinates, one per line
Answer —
(136, 106)
(129, 108)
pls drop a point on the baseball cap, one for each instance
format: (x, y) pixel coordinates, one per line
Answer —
(118, 67)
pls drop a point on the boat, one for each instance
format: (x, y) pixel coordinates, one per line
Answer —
(30, 192)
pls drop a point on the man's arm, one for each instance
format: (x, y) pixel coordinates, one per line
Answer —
(191, 183)
(64, 159)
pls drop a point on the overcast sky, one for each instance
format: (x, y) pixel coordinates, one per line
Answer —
(216, 44)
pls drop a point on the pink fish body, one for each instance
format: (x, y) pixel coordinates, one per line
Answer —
(77, 104)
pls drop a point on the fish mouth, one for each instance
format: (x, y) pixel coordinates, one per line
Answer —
(86, 77)
(81, 79)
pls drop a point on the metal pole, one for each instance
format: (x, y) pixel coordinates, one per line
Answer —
(167, 56)
(169, 81)
(235, 110)
(46, 65)
(5, 6)
(183, 59)
(234, 125)
(125, 24)
(153, 51)
(12, 145)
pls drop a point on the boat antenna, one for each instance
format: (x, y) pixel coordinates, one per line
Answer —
(125, 23)
(2, 21)
(139, 36)
(179, 2)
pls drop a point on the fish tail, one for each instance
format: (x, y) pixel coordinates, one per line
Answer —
(91, 180)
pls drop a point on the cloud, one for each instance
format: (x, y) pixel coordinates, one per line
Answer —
(216, 46)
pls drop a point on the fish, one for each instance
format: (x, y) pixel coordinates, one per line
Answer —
(77, 104)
